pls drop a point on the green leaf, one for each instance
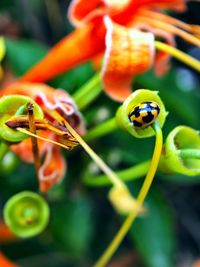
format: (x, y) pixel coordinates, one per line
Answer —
(22, 54)
(154, 234)
(73, 79)
(72, 226)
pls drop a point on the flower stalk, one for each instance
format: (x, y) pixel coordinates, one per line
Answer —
(141, 197)
(88, 92)
(102, 129)
(181, 56)
(132, 173)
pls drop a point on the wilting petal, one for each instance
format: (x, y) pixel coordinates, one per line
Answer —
(53, 168)
(5, 262)
(64, 104)
(27, 89)
(128, 53)
(52, 99)
(76, 48)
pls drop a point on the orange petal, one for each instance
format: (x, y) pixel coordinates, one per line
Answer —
(128, 14)
(24, 148)
(128, 52)
(81, 12)
(162, 59)
(177, 5)
(5, 262)
(27, 89)
(76, 48)
(117, 5)
(196, 263)
(53, 168)
(5, 234)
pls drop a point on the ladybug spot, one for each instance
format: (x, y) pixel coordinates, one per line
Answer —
(137, 124)
(149, 118)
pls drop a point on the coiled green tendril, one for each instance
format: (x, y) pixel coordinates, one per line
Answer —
(26, 214)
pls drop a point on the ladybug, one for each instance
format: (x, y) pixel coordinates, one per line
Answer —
(144, 114)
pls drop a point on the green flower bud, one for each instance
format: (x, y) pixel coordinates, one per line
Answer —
(181, 152)
(26, 214)
(147, 113)
(9, 106)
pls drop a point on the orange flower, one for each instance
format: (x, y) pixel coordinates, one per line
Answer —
(53, 166)
(5, 234)
(116, 27)
(5, 262)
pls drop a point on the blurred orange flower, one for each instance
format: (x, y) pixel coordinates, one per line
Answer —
(125, 31)
(5, 262)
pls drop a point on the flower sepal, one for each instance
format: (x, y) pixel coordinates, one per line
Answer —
(181, 152)
(11, 106)
(137, 98)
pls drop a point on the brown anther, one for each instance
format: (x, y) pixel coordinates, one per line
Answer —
(30, 107)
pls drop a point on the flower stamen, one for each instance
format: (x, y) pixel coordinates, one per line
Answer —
(32, 129)
(166, 26)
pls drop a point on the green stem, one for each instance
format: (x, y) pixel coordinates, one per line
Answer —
(88, 92)
(126, 175)
(102, 165)
(189, 153)
(101, 130)
(181, 56)
(141, 197)
(3, 150)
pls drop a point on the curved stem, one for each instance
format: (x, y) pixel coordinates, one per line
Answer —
(129, 174)
(111, 175)
(188, 60)
(189, 153)
(115, 180)
(88, 92)
(141, 197)
(102, 129)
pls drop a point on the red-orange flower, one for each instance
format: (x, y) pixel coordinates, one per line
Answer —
(5, 234)
(53, 166)
(5, 262)
(118, 36)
